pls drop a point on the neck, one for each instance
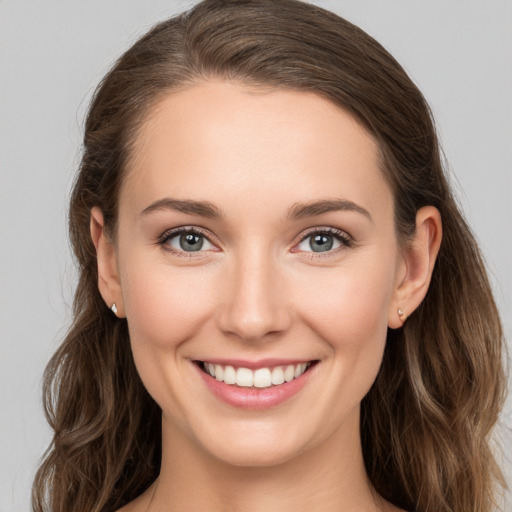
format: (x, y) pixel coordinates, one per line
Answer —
(327, 477)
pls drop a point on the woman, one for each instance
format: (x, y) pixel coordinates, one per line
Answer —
(280, 306)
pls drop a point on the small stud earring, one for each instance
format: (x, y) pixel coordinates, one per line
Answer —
(114, 308)
(401, 314)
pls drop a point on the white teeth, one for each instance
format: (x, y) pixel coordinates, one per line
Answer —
(219, 372)
(260, 378)
(229, 375)
(244, 377)
(289, 373)
(277, 375)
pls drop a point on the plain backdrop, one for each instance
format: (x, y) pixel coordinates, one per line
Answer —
(52, 55)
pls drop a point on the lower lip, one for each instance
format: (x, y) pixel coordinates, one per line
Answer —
(252, 398)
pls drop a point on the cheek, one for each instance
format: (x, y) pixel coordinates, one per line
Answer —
(349, 313)
(165, 306)
(349, 308)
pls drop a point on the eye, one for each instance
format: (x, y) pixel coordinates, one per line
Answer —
(324, 241)
(186, 240)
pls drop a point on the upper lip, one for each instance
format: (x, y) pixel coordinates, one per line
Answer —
(254, 365)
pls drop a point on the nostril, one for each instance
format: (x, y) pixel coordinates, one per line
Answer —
(254, 328)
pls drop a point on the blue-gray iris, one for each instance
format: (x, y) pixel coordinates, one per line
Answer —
(191, 242)
(321, 243)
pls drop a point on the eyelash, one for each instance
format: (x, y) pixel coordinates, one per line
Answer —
(341, 236)
(345, 240)
(186, 230)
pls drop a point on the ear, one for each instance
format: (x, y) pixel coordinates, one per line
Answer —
(108, 276)
(419, 257)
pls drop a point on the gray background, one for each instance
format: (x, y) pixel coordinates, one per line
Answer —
(53, 53)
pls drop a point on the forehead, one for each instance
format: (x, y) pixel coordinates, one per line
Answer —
(223, 140)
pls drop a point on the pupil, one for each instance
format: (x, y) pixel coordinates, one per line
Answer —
(191, 242)
(321, 243)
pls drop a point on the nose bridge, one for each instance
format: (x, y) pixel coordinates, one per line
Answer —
(254, 304)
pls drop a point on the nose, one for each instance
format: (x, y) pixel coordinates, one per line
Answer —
(254, 304)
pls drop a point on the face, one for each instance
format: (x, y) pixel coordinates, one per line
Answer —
(258, 265)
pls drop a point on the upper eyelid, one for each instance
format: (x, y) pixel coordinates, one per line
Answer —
(170, 233)
(341, 233)
(323, 229)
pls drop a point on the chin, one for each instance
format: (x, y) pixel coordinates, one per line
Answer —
(256, 445)
(254, 455)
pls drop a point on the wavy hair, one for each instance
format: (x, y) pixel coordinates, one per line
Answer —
(427, 420)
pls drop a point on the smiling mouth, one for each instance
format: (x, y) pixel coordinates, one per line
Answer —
(260, 378)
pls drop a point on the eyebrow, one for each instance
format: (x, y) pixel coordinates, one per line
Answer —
(201, 208)
(305, 210)
(297, 211)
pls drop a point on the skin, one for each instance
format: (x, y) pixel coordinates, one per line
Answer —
(258, 290)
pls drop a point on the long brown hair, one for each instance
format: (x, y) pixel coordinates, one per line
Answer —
(426, 422)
